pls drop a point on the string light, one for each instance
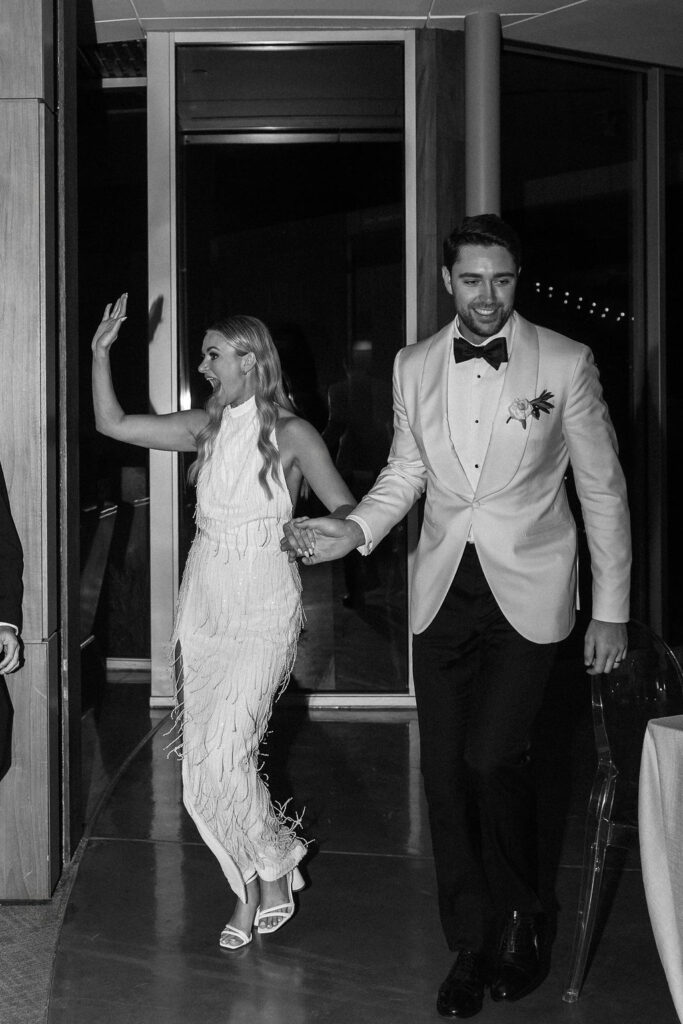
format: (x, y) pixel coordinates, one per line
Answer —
(578, 303)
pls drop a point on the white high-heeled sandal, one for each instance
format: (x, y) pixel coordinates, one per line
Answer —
(233, 930)
(282, 911)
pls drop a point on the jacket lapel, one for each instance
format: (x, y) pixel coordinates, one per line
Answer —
(509, 440)
(433, 414)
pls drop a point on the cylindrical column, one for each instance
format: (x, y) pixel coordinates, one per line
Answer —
(482, 113)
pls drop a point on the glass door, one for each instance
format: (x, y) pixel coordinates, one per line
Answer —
(577, 201)
(291, 186)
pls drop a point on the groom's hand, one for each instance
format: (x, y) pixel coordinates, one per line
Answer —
(298, 541)
(605, 646)
(321, 540)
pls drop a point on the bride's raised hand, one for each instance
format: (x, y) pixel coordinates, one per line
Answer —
(108, 330)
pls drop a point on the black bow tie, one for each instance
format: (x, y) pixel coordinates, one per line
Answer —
(494, 352)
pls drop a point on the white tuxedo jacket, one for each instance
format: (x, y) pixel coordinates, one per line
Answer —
(522, 527)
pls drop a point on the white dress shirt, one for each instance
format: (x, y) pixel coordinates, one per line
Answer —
(474, 389)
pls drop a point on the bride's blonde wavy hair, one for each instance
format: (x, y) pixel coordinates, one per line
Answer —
(247, 334)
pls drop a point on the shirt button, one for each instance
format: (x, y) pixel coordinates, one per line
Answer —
(476, 465)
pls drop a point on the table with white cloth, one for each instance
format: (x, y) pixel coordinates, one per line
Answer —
(660, 829)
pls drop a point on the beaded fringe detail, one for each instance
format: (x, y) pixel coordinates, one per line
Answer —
(232, 653)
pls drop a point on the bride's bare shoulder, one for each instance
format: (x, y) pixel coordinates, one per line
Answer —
(292, 430)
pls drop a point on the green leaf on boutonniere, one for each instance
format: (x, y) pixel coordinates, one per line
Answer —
(522, 408)
(541, 404)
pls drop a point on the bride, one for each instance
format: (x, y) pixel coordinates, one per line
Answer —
(239, 610)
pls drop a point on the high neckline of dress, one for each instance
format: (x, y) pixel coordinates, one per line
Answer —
(243, 408)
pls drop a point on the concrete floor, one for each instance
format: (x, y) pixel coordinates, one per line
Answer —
(138, 944)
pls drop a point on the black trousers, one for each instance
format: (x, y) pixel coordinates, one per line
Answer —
(478, 687)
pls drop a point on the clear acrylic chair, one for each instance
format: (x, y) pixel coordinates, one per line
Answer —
(648, 684)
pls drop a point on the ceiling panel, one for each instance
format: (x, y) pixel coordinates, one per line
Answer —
(153, 9)
(119, 30)
(461, 8)
(191, 15)
(640, 30)
(113, 10)
(106, 21)
(645, 30)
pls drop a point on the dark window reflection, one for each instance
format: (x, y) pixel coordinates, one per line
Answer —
(112, 258)
(674, 268)
(572, 186)
(305, 230)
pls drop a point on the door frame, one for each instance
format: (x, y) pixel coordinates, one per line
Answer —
(164, 391)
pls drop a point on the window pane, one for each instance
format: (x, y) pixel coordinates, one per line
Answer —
(674, 266)
(572, 186)
(304, 229)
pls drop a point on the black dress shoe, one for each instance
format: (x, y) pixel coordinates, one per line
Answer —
(462, 993)
(518, 969)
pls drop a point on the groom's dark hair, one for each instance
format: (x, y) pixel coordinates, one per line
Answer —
(484, 229)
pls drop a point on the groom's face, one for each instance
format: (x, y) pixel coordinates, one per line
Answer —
(482, 282)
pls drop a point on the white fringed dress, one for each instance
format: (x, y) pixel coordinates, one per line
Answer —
(239, 616)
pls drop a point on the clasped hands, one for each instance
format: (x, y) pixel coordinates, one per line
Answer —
(320, 540)
(327, 538)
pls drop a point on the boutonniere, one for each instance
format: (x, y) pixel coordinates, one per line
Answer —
(522, 408)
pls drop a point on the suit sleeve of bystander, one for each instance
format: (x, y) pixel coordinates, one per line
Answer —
(11, 563)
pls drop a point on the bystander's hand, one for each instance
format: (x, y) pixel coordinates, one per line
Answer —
(9, 650)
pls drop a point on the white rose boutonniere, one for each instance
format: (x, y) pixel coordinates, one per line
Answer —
(522, 408)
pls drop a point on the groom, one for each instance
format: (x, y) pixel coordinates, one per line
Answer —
(488, 413)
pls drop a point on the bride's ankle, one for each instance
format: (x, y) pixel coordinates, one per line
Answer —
(253, 889)
(274, 887)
